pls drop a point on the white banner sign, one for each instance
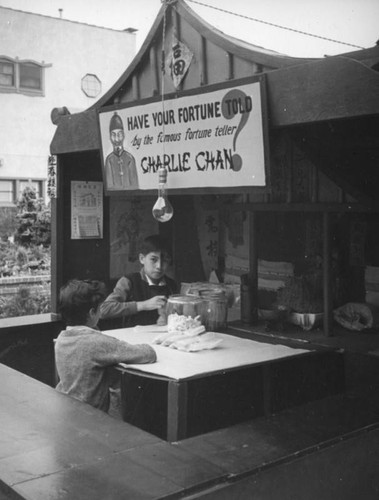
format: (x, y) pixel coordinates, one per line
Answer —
(213, 139)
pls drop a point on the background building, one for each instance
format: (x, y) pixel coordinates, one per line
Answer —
(48, 63)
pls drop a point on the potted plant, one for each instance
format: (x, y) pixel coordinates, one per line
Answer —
(301, 298)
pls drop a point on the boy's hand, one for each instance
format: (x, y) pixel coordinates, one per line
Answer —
(153, 303)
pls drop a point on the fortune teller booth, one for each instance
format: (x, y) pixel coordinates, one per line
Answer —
(268, 163)
(261, 169)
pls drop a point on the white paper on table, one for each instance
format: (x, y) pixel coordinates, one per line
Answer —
(150, 328)
(233, 352)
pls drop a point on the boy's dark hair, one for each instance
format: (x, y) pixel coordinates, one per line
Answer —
(78, 297)
(155, 243)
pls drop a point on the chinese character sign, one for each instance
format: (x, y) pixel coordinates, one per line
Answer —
(208, 235)
(52, 176)
(214, 139)
(179, 61)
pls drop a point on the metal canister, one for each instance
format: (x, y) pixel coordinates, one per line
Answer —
(182, 309)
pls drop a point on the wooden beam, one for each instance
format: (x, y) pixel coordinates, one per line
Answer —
(176, 410)
(327, 89)
(303, 207)
(203, 61)
(315, 185)
(327, 289)
(135, 86)
(230, 57)
(253, 264)
(155, 73)
(175, 19)
(57, 237)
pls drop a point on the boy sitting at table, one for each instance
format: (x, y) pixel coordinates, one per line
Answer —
(140, 298)
(82, 353)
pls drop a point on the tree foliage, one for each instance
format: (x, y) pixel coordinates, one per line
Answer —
(27, 301)
(33, 219)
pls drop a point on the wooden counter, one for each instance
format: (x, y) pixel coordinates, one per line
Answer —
(54, 447)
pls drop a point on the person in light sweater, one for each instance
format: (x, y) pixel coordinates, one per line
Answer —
(83, 354)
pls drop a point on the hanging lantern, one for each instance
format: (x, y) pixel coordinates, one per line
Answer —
(162, 210)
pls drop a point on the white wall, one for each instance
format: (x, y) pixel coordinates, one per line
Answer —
(73, 50)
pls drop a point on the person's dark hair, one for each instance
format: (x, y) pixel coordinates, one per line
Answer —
(155, 243)
(78, 297)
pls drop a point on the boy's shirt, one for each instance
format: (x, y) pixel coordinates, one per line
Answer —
(123, 300)
(82, 357)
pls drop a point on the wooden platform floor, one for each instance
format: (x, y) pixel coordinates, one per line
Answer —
(55, 447)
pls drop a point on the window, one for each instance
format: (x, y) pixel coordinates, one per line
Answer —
(36, 185)
(91, 85)
(6, 74)
(11, 189)
(25, 77)
(7, 192)
(30, 76)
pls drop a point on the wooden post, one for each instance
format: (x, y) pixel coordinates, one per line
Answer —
(253, 264)
(56, 204)
(327, 275)
(176, 410)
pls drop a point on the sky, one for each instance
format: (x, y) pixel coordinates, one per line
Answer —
(353, 22)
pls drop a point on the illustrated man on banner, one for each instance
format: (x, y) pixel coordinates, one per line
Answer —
(120, 165)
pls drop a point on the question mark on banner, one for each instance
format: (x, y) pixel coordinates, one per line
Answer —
(236, 101)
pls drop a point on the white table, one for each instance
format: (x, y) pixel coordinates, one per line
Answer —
(184, 378)
(233, 352)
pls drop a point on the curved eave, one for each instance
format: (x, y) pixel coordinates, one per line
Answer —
(235, 46)
(299, 90)
(239, 48)
(330, 89)
(368, 57)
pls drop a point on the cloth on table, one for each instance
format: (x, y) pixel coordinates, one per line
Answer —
(354, 316)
